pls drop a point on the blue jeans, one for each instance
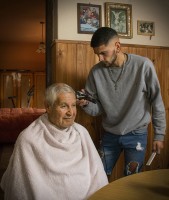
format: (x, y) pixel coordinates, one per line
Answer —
(134, 146)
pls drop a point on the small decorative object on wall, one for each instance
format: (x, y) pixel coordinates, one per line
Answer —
(88, 17)
(119, 17)
(145, 28)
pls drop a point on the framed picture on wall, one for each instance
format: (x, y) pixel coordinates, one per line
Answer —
(119, 17)
(145, 28)
(88, 17)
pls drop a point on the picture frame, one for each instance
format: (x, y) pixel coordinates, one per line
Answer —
(88, 18)
(145, 28)
(119, 17)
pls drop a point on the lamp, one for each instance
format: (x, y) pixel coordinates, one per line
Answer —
(42, 47)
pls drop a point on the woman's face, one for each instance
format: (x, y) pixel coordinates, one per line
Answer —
(63, 112)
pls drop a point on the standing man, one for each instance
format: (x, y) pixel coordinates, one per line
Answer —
(127, 93)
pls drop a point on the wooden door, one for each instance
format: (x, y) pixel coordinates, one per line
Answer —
(39, 89)
(9, 95)
(14, 88)
(25, 82)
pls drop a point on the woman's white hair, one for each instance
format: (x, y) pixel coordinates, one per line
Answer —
(54, 90)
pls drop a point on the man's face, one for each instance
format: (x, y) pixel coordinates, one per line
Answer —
(63, 112)
(107, 54)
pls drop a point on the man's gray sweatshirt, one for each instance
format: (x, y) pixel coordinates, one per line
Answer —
(131, 104)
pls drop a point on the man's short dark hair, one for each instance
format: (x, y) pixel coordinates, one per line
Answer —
(102, 36)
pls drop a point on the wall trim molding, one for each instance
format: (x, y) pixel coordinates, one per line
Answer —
(122, 44)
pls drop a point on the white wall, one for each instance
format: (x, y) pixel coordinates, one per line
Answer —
(147, 10)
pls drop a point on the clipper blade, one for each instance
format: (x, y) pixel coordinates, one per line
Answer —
(151, 159)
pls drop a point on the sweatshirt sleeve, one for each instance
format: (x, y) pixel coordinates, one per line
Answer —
(93, 109)
(155, 98)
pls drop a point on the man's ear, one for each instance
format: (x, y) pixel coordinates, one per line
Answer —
(118, 46)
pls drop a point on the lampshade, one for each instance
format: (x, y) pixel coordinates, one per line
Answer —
(42, 47)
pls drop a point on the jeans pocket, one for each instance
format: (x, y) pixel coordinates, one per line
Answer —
(140, 132)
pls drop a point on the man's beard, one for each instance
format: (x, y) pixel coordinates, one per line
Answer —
(111, 63)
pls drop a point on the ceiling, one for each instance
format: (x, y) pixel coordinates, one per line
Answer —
(20, 20)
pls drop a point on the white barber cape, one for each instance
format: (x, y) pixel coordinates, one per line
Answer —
(50, 164)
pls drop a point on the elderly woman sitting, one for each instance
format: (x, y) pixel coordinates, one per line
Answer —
(54, 158)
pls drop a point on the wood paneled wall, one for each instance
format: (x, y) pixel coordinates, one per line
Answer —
(71, 63)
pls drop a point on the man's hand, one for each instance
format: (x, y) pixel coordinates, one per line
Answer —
(84, 95)
(157, 146)
(82, 102)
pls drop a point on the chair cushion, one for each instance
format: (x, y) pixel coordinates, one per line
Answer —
(14, 120)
